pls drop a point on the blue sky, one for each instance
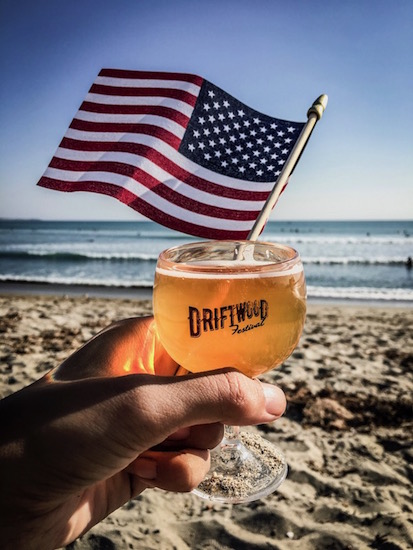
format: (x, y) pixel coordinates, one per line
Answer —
(276, 57)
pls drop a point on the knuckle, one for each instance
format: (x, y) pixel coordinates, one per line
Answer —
(235, 390)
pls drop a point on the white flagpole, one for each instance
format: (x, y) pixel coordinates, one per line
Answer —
(315, 112)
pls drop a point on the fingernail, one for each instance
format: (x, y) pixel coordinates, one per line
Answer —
(145, 468)
(275, 402)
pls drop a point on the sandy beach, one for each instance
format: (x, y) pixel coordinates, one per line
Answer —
(347, 432)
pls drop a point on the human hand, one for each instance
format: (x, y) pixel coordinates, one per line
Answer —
(95, 433)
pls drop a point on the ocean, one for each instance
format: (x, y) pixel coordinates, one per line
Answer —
(357, 260)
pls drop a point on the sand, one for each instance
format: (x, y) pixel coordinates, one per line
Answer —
(347, 432)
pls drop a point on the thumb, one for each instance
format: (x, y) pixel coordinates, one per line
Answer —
(226, 396)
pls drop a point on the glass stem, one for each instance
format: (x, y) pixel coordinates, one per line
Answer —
(231, 435)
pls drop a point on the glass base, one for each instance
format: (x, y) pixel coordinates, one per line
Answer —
(243, 469)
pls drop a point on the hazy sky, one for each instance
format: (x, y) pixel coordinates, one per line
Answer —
(276, 57)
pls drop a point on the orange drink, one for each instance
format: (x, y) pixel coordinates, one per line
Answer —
(229, 304)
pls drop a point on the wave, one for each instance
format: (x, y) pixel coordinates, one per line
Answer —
(115, 233)
(361, 293)
(89, 255)
(342, 260)
(320, 292)
(76, 281)
(129, 230)
(355, 240)
(77, 256)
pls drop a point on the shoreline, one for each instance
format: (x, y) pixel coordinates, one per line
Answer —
(22, 288)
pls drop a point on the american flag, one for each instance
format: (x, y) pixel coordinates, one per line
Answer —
(175, 148)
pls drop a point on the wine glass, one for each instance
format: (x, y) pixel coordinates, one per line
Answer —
(238, 304)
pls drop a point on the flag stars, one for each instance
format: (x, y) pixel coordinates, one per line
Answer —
(231, 139)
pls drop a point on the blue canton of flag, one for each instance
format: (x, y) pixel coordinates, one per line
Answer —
(228, 137)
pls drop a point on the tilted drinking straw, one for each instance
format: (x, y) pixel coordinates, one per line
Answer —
(315, 112)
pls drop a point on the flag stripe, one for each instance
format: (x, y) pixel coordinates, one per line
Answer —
(145, 83)
(158, 171)
(147, 129)
(158, 159)
(152, 206)
(148, 119)
(179, 106)
(182, 95)
(155, 185)
(151, 75)
(161, 111)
